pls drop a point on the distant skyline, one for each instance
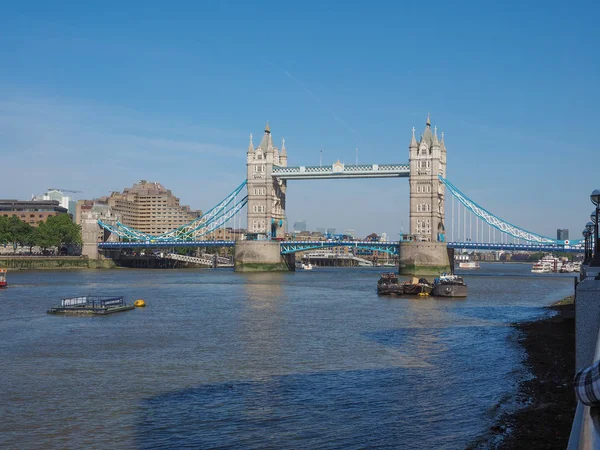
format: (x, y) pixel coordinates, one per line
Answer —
(95, 98)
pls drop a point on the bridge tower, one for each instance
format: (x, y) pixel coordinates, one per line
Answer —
(266, 195)
(261, 252)
(427, 254)
(427, 160)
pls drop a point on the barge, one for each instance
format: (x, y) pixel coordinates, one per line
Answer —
(449, 286)
(91, 305)
(389, 284)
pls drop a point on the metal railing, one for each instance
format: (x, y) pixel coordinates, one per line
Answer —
(585, 432)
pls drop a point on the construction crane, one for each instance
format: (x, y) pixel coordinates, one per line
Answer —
(64, 190)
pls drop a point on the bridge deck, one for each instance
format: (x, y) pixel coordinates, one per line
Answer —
(341, 171)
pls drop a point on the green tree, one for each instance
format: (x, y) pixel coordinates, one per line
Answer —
(17, 232)
(65, 230)
(4, 230)
(45, 237)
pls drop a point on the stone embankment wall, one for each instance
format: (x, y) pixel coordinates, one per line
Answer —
(262, 256)
(53, 262)
(423, 258)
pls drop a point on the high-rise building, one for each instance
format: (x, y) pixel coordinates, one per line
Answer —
(150, 208)
(330, 231)
(64, 200)
(562, 234)
(299, 226)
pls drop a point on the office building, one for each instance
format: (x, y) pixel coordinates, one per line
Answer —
(562, 234)
(33, 211)
(299, 226)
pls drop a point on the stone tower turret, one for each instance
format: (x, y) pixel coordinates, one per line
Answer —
(427, 161)
(266, 194)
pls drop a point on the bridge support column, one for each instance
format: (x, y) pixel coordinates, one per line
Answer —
(427, 259)
(262, 256)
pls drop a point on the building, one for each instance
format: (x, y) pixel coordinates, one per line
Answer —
(562, 234)
(427, 160)
(150, 208)
(64, 200)
(350, 232)
(266, 195)
(330, 231)
(299, 225)
(33, 212)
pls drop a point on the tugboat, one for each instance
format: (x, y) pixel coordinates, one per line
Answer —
(449, 286)
(388, 284)
(3, 282)
(417, 286)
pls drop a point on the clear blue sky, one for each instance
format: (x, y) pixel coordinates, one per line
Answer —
(97, 95)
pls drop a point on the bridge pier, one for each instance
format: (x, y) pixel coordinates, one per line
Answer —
(423, 259)
(262, 256)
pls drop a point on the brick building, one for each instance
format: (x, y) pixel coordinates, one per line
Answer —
(32, 212)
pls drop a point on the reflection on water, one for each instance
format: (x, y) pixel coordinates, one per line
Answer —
(292, 360)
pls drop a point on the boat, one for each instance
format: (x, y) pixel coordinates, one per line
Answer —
(567, 267)
(449, 286)
(389, 284)
(3, 282)
(547, 264)
(417, 286)
(307, 266)
(89, 305)
(466, 262)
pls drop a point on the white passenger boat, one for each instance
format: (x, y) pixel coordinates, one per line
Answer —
(547, 264)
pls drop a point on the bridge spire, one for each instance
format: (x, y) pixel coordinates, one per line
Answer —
(413, 141)
(250, 145)
(427, 137)
(267, 128)
(435, 138)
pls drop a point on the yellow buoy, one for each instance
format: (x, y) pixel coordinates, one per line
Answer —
(139, 303)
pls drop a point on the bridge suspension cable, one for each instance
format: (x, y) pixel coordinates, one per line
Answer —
(215, 218)
(493, 221)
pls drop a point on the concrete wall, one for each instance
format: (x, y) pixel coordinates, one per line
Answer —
(423, 258)
(587, 322)
(261, 256)
(53, 262)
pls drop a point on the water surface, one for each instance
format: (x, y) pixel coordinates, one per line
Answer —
(312, 359)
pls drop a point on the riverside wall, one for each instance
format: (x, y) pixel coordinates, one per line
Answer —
(262, 256)
(423, 258)
(54, 262)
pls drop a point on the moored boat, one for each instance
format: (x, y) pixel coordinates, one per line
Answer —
(417, 286)
(88, 305)
(389, 284)
(3, 282)
(449, 286)
(466, 262)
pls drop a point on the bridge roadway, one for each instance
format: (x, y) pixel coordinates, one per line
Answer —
(340, 170)
(389, 247)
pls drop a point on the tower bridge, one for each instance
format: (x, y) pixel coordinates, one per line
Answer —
(267, 177)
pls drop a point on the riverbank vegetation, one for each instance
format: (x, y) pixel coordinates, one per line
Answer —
(57, 231)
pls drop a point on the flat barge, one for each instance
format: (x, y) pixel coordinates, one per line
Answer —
(91, 305)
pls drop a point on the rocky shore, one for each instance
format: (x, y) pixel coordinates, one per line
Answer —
(548, 401)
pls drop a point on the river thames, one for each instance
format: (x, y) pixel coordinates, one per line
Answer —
(312, 359)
